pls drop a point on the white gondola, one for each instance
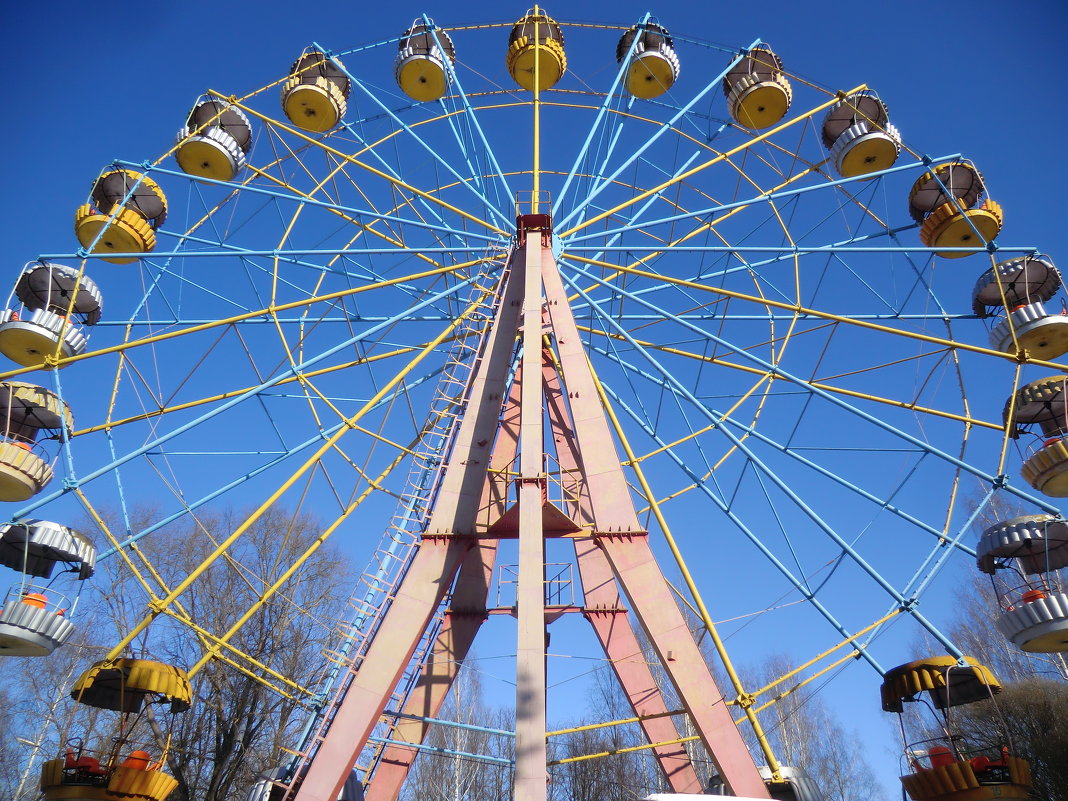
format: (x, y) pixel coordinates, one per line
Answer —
(859, 136)
(215, 141)
(36, 618)
(1014, 293)
(1043, 404)
(28, 412)
(54, 303)
(654, 65)
(424, 58)
(272, 787)
(793, 785)
(1035, 616)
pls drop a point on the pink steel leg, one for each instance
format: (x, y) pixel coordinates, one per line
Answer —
(417, 600)
(453, 642)
(461, 622)
(619, 533)
(610, 621)
(608, 616)
(433, 567)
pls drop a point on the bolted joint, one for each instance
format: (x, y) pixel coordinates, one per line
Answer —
(745, 700)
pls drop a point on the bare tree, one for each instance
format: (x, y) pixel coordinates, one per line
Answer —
(9, 763)
(1031, 715)
(457, 776)
(804, 734)
(237, 725)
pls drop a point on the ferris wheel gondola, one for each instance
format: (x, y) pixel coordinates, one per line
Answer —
(945, 767)
(126, 768)
(1031, 551)
(36, 617)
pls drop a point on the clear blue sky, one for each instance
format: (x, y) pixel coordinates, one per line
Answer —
(95, 83)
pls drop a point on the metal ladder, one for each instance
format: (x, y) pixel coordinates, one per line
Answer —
(374, 591)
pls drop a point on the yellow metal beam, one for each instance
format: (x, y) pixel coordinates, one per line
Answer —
(817, 384)
(610, 723)
(157, 607)
(237, 318)
(797, 308)
(428, 196)
(691, 585)
(705, 165)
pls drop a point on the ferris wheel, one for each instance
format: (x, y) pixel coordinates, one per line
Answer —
(744, 297)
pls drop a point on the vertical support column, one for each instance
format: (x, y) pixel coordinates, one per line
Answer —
(530, 756)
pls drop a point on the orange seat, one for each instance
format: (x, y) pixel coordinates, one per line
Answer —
(37, 599)
(941, 756)
(138, 760)
(83, 764)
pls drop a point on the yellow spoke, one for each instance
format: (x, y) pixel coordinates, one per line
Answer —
(700, 167)
(428, 196)
(237, 318)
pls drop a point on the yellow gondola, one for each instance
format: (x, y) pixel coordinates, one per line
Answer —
(124, 210)
(315, 96)
(945, 767)
(536, 46)
(1043, 403)
(948, 202)
(758, 94)
(54, 303)
(421, 70)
